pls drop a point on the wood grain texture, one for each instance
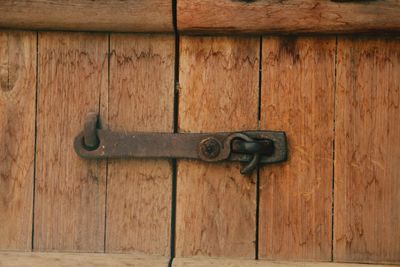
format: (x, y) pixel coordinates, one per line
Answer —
(367, 155)
(80, 260)
(141, 98)
(218, 92)
(17, 138)
(88, 15)
(244, 16)
(70, 191)
(296, 196)
(221, 262)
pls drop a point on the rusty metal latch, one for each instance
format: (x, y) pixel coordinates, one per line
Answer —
(252, 147)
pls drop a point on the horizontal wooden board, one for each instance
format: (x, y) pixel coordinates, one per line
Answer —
(88, 15)
(210, 16)
(250, 16)
(221, 262)
(80, 259)
(18, 259)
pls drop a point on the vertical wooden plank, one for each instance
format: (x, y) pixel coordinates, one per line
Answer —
(219, 92)
(17, 138)
(367, 156)
(296, 196)
(70, 191)
(141, 98)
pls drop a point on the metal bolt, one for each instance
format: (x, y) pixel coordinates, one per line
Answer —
(210, 147)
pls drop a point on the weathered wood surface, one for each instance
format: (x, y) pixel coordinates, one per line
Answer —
(88, 15)
(17, 138)
(207, 16)
(70, 191)
(210, 16)
(221, 262)
(141, 98)
(298, 77)
(218, 92)
(367, 155)
(216, 206)
(80, 259)
(18, 259)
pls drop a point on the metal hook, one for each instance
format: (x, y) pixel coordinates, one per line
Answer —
(90, 138)
(256, 155)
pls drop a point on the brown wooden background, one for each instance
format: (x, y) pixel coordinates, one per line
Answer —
(337, 97)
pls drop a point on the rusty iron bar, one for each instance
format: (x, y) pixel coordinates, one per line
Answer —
(252, 147)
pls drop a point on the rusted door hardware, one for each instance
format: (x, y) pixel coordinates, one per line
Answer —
(252, 147)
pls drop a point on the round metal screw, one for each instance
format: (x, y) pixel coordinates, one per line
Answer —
(210, 148)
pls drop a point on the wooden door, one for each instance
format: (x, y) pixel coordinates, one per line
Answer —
(336, 198)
